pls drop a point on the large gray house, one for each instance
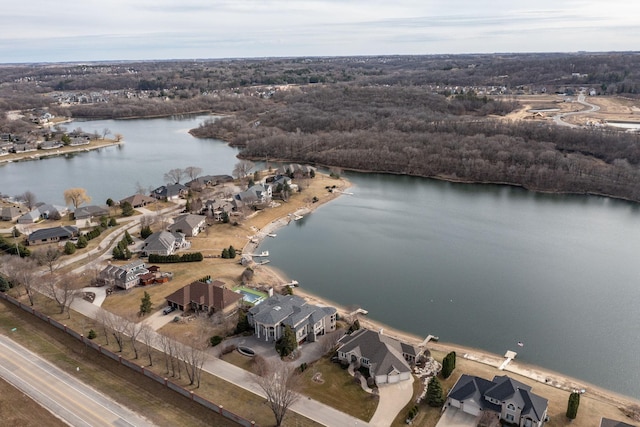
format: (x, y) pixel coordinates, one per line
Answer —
(271, 316)
(388, 360)
(503, 397)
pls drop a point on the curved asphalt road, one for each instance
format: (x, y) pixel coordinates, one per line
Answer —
(69, 399)
(581, 99)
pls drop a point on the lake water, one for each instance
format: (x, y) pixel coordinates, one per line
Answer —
(478, 265)
(152, 147)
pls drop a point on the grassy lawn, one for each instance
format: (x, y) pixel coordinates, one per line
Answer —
(338, 389)
(140, 394)
(334, 387)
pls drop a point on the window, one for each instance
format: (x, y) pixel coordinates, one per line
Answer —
(509, 417)
(511, 407)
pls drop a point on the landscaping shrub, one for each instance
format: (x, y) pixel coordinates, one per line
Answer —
(187, 257)
(92, 334)
(215, 340)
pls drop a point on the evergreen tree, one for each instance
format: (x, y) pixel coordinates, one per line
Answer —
(110, 202)
(225, 253)
(448, 364)
(145, 304)
(127, 209)
(112, 222)
(82, 242)
(69, 248)
(117, 252)
(232, 252)
(146, 231)
(434, 393)
(572, 405)
(128, 237)
(288, 343)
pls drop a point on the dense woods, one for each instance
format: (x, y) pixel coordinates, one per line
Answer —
(408, 131)
(435, 116)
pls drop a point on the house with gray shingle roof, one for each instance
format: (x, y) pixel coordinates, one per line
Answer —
(122, 276)
(53, 234)
(138, 200)
(308, 322)
(169, 192)
(606, 422)
(388, 359)
(189, 224)
(10, 213)
(164, 243)
(90, 211)
(511, 400)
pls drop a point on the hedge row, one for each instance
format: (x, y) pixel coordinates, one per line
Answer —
(188, 257)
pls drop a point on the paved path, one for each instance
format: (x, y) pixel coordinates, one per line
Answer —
(67, 398)
(309, 408)
(581, 99)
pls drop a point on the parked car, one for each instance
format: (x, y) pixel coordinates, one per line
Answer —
(168, 310)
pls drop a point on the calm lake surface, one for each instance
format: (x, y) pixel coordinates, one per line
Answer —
(478, 265)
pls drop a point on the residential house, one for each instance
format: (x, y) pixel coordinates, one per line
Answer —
(510, 400)
(169, 192)
(53, 234)
(164, 243)
(10, 213)
(255, 195)
(122, 276)
(208, 180)
(138, 200)
(607, 422)
(91, 211)
(190, 225)
(308, 322)
(217, 208)
(388, 359)
(295, 169)
(205, 297)
(43, 211)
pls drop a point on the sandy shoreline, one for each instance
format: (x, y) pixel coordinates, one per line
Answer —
(535, 373)
(43, 154)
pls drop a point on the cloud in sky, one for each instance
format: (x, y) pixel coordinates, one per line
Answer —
(87, 30)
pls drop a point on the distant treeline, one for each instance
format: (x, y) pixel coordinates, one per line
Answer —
(408, 131)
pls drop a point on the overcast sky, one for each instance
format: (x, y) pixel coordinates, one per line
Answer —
(90, 30)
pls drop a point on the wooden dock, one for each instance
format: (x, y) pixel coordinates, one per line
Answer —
(429, 338)
(509, 355)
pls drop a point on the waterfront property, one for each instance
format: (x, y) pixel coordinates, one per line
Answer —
(91, 211)
(503, 398)
(205, 297)
(164, 243)
(10, 213)
(138, 200)
(169, 192)
(52, 235)
(388, 359)
(43, 211)
(307, 321)
(122, 276)
(190, 225)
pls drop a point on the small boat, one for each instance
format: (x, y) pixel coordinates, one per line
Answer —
(272, 234)
(520, 343)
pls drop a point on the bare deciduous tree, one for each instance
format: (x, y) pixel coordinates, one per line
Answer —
(133, 330)
(29, 199)
(174, 176)
(280, 383)
(48, 257)
(192, 172)
(76, 197)
(242, 168)
(63, 289)
(147, 335)
(21, 272)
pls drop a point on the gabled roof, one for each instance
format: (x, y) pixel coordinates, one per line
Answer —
(138, 200)
(214, 295)
(289, 310)
(66, 231)
(187, 222)
(90, 211)
(161, 241)
(385, 354)
(10, 212)
(502, 388)
(606, 422)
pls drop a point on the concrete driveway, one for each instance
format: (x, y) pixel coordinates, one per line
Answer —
(453, 417)
(393, 398)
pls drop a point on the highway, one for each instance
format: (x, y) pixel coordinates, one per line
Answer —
(64, 396)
